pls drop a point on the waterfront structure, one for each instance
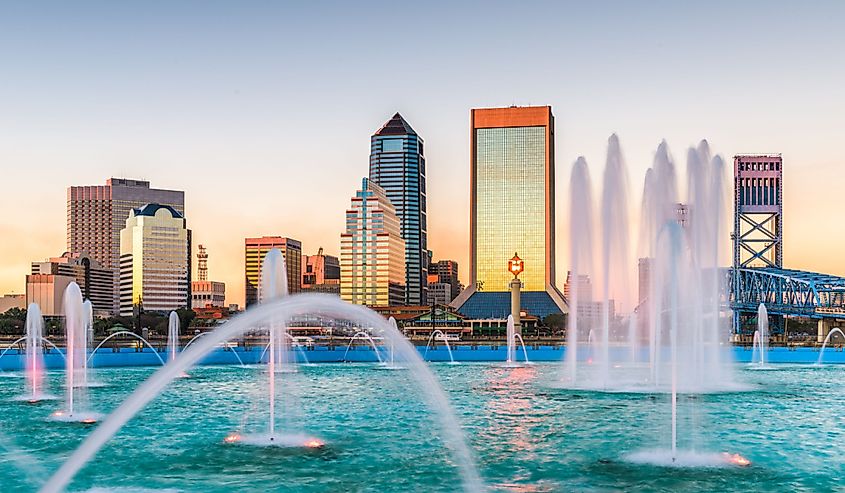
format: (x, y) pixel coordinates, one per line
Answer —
(155, 249)
(321, 273)
(97, 213)
(372, 252)
(255, 249)
(47, 280)
(447, 273)
(422, 320)
(12, 300)
(397, 165)
(512, 209)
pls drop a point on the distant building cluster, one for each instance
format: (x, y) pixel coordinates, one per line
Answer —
(129, 246)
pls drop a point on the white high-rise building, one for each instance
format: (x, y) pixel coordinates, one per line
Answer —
(154, 260)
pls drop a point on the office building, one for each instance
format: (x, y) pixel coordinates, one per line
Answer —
(439, 293)
(255, 249)
(321, 273)
(208, 293)
(96, 215)
(48, 279)
(155, 249)
(512, 209)
(372, 252)
(397, 165)
(447, 273)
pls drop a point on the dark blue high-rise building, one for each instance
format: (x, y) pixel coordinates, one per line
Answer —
(397, 164)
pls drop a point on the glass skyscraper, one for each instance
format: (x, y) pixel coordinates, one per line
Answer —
(397, 165)
(512, 210)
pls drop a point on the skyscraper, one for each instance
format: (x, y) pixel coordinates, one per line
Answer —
(96, 214)
(397, 165)
(372, 252)
(512, 188)
(155, 260)
(255, 249)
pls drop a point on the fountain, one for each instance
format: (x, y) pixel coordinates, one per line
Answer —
(77, 322)
(581, 250)
(281, 311)
(511, 337)
(678, 316)
(438, 333)
(124, 333)
(172, 336)
(617, 363)
(760, 343)
(367, 337)
(34, 366)
(235, 353)
(833, 331)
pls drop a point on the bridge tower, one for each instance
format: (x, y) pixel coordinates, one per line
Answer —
(758, 218)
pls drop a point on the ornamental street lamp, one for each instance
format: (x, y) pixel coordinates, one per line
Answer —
(515, 267)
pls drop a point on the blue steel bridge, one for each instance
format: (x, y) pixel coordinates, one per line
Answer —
(787, 292)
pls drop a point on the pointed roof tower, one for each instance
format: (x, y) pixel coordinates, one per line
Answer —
(396, 126)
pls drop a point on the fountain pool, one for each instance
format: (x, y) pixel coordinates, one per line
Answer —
(526, 434)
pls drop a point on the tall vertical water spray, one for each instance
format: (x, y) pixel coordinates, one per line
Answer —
(615, 261)
(34, 353)
(274, 286)
(581, 260)
(86, 335)
(172, 336)
(761, 336)
(77, 322)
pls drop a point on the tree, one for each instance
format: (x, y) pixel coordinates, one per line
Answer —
(15, 313)
(555, 321)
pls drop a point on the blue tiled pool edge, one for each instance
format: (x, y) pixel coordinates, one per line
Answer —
(109, 357)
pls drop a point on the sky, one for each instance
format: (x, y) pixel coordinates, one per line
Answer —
(262, 111)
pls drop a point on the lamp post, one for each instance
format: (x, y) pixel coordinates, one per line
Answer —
(515, 267)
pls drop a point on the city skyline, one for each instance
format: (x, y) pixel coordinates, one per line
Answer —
(142, 116)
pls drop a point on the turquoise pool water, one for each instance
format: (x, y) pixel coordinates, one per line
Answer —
(527, 435)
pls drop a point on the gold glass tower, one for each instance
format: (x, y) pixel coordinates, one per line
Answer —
(512, 210)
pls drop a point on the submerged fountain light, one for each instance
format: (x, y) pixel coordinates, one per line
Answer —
(232, 438)
(736, 459)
